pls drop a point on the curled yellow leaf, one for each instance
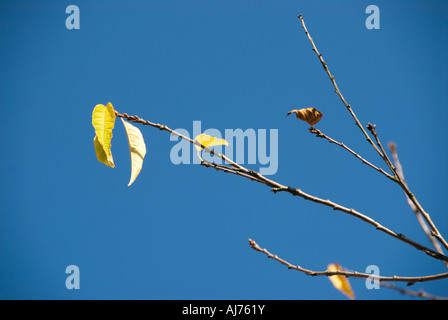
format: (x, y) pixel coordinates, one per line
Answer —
(208, 141)
(309, 115)
(101, 154)
(103, 120)
(340, 282)
(137, 148)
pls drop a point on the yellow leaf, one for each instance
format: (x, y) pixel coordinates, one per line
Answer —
(208, 141)
(340, 282)
(309, 115)
(103, 120)
(137, 147)
(101, 155)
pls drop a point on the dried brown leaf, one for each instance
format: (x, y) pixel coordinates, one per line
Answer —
(309, 115)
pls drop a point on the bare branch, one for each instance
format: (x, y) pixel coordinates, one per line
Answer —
(434, 232)
(378, 226)
(336, 88)
(418, 294)
(378, 147)
(393, 149)
(136, 119)
(353, 274)
(276, 187)
(319, 134)
(398, 172)
(228, 169)
(386, 159)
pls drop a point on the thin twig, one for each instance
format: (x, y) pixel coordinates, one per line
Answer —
(418, 294)
(354, 274)
(277, 187)
(372, 129)
(319, 134)
(393, 149)
(136, 119)
(229, 169)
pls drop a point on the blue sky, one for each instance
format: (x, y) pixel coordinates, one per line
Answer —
(181, 232)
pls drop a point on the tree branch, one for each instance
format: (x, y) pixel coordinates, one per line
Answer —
(372, 128)
(161, 127)
(228, 169)
(353, 274)
(434, 232)
(336, 88)
(319, 134)
(276, 187)
(418, 294)
(378, 147)
(393, 149)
